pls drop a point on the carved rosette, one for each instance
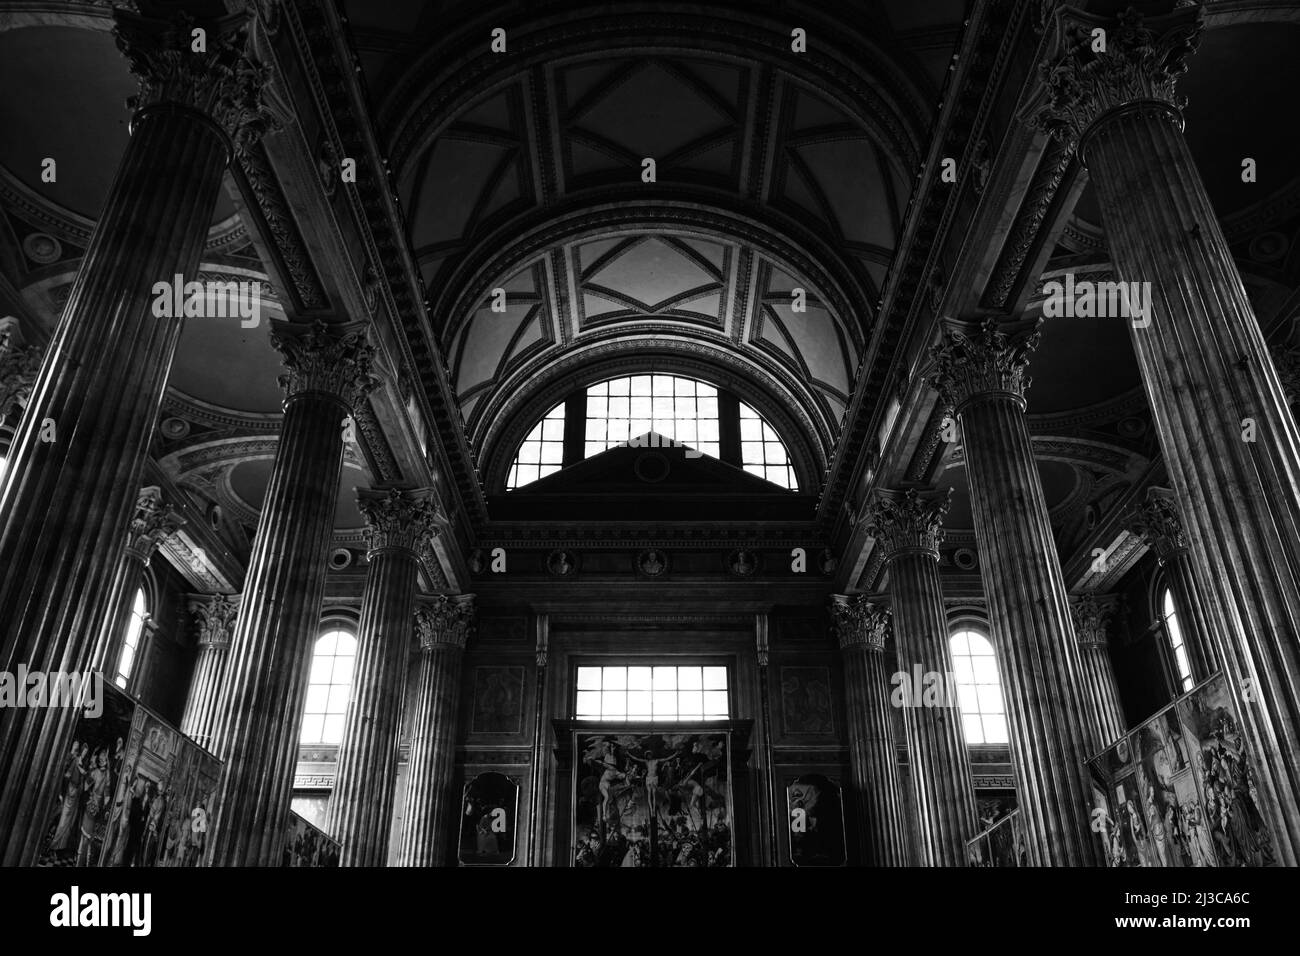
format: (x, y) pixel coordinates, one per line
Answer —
(859, 622)
(987, 362)
(445, 621)
(1157, 522)
(220, 81)
(335, 360)
(153, 523)
(1143, 59)
(215, 619)
(1091, 619)
(398, 519)
(19, 365)
(908, 523)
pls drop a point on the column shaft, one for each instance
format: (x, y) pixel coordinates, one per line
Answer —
(216, 618)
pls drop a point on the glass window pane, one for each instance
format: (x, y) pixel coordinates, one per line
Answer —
(614, 678)
(638, 703)
(332, 731)
(597, 407)
(588, 704)
(342, 671)
(995, 729)
(715, 678)
(613, 703)
(665, 703)
(689, 678)
(317, 695)
(326, 644)
(665, 678)
(715, 703)
(311, 728)
(338, 699)
(990, 699)
(974, 730)
(638, 678)
(619, 407)
(986, 670)
(589, 678)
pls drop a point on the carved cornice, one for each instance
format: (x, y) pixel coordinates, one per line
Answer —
(1142, 61)
(220, 81)
(154, 520)
(215, 619)
(335, 360)
(908, 523)
(1156, 521)
(1091, 619)
(397, 518)
(19, 365)
(859, 622)
(445, 621)
(987, 362)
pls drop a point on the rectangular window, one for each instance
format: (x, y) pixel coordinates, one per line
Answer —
(652, 693)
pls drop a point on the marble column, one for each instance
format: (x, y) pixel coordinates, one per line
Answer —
(258, 726)
(216, 618)
(861, 627)
(361, 807)
(1100, 695)
(78, 456)
(443, 625)
(1157, 522)
(1230, 442)
(980, 375)
(907, 526)
(154, 521)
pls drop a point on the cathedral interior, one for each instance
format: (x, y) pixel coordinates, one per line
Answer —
(584, 434)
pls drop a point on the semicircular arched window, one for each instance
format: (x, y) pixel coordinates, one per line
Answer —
(979, 688)
(631, 409)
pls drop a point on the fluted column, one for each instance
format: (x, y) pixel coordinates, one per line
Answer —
(77, 458)
(1230, 442)
(981, 377)
(443, 625)
(154, 521)
(1156, 520)
(861, 627)
(361, 807)
(270, 655)
(1099, 692)
(216, 618)
(907, 526)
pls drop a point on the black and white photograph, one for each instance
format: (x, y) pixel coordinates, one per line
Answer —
(585, 434)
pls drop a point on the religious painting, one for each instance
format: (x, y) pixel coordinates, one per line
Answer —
(489, 812)
(187, 832)
(806, 700)
(1230, 807)
(652, 799)
(977, 851)
(992, 806)
(145, 793)
(498, 700)
(308, 846)
(815, 810)
(1176, 823)
(76, 826)
(1006, 842)
(1117, 816)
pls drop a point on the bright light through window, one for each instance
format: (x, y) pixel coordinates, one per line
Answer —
(652, 693)
(130, 646)
(1176, 643)
(329, 688)
(762, 452)
(979, 689)
(678, 408)
(542, 452)
(4, 463)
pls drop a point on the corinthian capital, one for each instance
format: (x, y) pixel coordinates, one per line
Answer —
(908, 523)
(1086, 74)
(215, 618)
(398, 519)
(987, 362)
(446, 621)
(153, 523)
(1091, 619)
(335, 360)
(859, 622)
(1157, 522)
(198, 64)
(18, 367)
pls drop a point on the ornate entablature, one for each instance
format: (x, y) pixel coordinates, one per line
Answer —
(154, 520)
(908, 523)
(858, 621)
(1157, 522)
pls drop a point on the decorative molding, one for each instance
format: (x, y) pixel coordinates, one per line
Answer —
(445, 621)
(859, 622)
(215, 618)
(1091, 619)
(154, 521)
(334, 360)
(1157, 522)
(398, 519)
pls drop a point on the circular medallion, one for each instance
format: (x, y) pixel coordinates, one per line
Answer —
(653, 563)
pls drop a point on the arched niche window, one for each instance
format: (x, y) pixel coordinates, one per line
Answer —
(979, 688)
(620, 411)
(1174, 633)
(130, 652)
(329, 688)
